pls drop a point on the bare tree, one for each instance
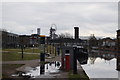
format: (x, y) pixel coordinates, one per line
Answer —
(92, 41)
(65, 35)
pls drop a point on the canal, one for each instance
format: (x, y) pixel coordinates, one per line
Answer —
(100, 64)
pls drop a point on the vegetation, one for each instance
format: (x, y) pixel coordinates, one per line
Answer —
(65, 35)
(48, 47)
(30, 50)
(93, 41)
(28, 54)
(17, 56)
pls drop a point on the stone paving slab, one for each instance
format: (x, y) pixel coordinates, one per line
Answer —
(33, 63)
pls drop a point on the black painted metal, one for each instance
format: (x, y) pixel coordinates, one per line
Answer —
(75, 60)
(42, 57)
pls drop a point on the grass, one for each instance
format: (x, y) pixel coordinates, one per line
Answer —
(35, 50)
(17, 56)
(13, 55)
(29, 50)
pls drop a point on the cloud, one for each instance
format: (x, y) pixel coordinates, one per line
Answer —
(96, 18)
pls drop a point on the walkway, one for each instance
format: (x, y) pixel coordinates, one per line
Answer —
(30, 63)
(33, 63)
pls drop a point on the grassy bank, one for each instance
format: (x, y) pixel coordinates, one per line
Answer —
(17, 56)
(13, 54)
(29, 50)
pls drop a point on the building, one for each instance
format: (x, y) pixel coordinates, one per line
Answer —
(34, 40)
(9, 40)
(108, 42)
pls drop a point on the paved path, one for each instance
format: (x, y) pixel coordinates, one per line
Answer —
(30, 63)
(34, 63)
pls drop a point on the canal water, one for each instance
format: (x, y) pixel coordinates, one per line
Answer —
(100, 65)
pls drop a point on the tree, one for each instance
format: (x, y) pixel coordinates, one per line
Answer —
(92, 41)
(65, 35)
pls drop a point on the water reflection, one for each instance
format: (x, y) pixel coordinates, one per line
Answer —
(83, 60)
(44, 71)
(100, 64)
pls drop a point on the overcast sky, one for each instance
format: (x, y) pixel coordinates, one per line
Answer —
(99, 18)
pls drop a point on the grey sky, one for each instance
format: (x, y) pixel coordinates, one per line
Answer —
(60, 0)
(92, 18)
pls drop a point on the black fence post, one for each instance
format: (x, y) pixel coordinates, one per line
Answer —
(75, 60)
(42, 57)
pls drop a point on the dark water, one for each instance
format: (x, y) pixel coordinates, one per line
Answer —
(100, 65)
